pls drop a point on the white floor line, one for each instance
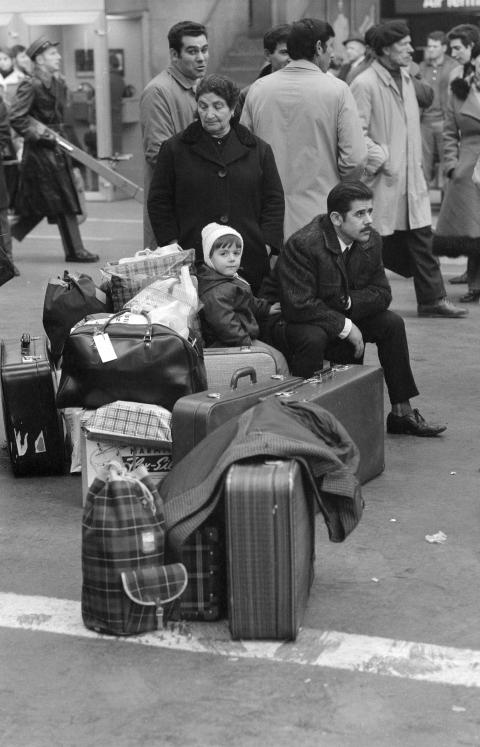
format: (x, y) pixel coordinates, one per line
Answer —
(336, 650)
(55, 236)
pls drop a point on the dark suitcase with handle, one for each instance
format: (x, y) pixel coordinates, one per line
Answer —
(269, 519)
(354, 394)
(33, 425)
(196, 415)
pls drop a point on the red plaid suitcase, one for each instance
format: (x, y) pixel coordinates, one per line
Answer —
(269, 518)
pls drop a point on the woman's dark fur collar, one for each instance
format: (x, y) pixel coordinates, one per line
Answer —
(194, 132)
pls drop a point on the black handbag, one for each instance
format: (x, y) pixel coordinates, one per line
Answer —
(67, 301)
(153, 364)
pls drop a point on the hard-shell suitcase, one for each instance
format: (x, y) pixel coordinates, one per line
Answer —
(355, 395)
(269, 519)
(221, 363)
(196, 415)
(203, 555)
(33, 425)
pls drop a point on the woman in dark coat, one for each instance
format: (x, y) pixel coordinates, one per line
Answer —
(217, 171)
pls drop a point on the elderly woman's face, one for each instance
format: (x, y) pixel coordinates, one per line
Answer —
(214, 114)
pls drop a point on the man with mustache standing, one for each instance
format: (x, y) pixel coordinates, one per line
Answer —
(334, 297)
(167, 104)
(387, 104)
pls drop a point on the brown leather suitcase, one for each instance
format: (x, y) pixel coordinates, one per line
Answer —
(355, 395)
(196, 415)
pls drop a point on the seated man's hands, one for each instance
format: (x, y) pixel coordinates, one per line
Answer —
(47, 141)
(275, 308)
(356, 339)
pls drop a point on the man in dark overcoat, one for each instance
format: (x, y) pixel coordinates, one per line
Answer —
(46, 186)
(334, 296)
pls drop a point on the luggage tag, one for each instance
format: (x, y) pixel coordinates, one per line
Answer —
(104, 346)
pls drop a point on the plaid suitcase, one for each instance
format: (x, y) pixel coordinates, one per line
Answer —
(33, 426)
(269, 520)
(203, 555)
(222, 363)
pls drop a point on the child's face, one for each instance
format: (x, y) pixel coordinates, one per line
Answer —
(226, 259)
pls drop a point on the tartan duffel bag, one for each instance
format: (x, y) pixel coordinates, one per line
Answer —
(125, 581)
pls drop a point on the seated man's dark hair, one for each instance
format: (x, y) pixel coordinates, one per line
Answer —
(221, 86)
(304, 35)
(466, 32)
(276, 35)
(184, 28)
(340, 198)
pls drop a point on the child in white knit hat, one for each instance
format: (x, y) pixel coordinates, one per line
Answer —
(230, 313)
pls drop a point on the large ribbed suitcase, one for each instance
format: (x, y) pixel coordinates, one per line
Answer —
(33, 425)
(221, 363)
(355, 395)
(196, 415)
(269, 519)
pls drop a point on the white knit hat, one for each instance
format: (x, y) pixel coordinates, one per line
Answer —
(210, 234)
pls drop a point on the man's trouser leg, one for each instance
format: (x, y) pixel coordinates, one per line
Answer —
(149, 240)
(70, 235)
(427, 277)
(306, 345)
(387, 331)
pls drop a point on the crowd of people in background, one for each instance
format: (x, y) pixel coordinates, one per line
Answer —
(325, 166)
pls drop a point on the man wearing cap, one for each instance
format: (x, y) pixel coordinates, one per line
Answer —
(357, 60)
(387, 103)
(46, 184)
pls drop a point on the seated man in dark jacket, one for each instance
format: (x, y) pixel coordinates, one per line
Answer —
(334, 296)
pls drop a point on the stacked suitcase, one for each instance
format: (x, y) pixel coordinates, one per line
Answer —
(268, 513)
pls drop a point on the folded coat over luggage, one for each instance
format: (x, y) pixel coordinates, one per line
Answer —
(276, 428)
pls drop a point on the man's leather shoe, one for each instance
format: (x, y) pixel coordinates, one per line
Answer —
(412, 425)
(82, 257)
(443, 308)
(470, 297)
(459, 279)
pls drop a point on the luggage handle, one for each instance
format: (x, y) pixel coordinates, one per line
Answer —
(240, 373)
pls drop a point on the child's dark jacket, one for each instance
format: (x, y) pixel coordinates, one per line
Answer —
(230, 311)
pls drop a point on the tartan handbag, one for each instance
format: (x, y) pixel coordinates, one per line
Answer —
(125, 581)
(127, 277)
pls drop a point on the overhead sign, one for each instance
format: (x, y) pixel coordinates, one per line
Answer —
(429, 6)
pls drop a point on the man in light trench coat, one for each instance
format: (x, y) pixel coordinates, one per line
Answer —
(311, 122)
(388, 108)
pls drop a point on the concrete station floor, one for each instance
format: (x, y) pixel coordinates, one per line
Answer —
(390, 650)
